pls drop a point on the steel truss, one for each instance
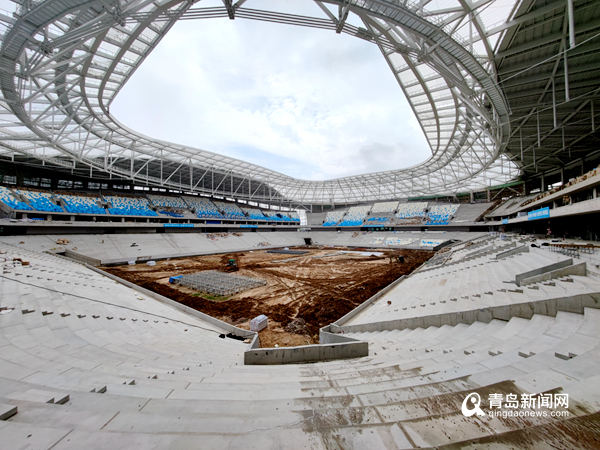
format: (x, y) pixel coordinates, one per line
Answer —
(62, 62)
(219, 283)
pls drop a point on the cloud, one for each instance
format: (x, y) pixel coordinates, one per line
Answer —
(305, 102)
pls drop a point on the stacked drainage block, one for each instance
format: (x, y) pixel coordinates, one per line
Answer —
(259, 323)
(219, 283)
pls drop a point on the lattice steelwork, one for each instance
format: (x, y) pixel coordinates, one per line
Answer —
(219, 283)
(62, 62)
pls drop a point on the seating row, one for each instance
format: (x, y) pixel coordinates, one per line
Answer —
(230, 210)
(40, 201)
(254, 213)
(384, 207)
(81, 205)
(356, 215)
(410, 210)
(441, 214)
(333, 217)
(129, 206)
(7, 197)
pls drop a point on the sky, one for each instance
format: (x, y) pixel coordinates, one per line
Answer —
(308, 103)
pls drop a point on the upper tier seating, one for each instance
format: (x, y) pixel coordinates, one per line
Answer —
(470, 212)
(511, 205)
(40, 201)
(172, 202)
(129, 206)
(580, 179)
(294, 216)
(8, 199)
(277, 216)
(171, 213)
(253, 213)
(441, 214)
(79, 204)
(410, 210)
(204, 208)
(385, 207)
(378, 218)
(356, 215)
(230, 210)
(333, 217)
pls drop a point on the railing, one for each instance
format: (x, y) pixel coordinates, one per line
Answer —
(573, 250)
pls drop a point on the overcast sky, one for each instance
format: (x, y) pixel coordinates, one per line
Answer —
(308, 103)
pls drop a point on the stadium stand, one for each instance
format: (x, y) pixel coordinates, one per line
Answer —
(6, 197)
(470, 212)
(356, 215)
(316, 219)
(384, 207)
(172, 202)
(81, 204)
(129, 206)
(107, 366)
(510, 206)
(378, 219)
(40, 201)
(333, 217)
(478, 277)
(580, 179)
(171, 213)
(277, 216)
(117, 248)
(440, 214)
(230, 210)
(382, 213)
(393, 241)
(411, 210)
(293, 215)
(205, 209)
(253, 213)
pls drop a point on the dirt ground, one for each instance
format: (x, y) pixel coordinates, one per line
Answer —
(302, 294)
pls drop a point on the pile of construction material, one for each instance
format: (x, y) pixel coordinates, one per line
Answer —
(219, 283)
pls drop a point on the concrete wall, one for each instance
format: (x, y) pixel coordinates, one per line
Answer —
(306, 353)
(514, 251)
(325, 337)
(577, 269)
(549, 268)
(82, 258)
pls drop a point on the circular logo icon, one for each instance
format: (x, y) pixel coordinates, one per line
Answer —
(470, 405)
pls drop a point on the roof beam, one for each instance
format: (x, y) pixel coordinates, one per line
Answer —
(560, 4)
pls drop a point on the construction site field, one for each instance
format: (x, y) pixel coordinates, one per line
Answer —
(302, 293)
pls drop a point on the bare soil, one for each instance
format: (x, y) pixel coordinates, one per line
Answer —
(302, 294)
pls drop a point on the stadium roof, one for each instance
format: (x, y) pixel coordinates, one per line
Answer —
(463, 66)
(549, 70)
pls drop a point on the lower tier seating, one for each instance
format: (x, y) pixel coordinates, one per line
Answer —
(90, 363)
